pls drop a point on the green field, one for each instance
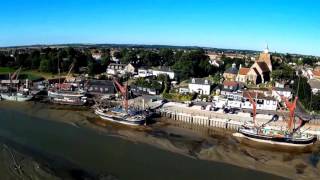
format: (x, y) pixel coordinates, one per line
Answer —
(28, 74)
(5, 70)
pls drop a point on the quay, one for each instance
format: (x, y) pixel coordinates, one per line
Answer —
(196, 116)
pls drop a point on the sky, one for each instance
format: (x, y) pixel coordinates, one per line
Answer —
(288, 26)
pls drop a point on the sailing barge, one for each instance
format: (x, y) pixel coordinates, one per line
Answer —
(67, 94)
(291, 137)
(123, 114)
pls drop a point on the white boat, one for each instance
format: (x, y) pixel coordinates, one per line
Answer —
(275, 137)
(119, 115)
(19, 97)
(67, 97)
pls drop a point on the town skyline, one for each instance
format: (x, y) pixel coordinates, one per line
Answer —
(245, 25)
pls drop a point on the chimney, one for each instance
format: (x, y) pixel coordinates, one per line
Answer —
(240, 66)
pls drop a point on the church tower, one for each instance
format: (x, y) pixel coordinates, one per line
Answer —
(266, 57)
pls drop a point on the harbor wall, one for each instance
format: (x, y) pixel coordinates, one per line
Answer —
(227, 121)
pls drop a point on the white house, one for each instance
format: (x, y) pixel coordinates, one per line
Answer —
(163, 70)
(200, 86)
(130, 69)
(315, 85)
(115, 69)
(97, 56)
(142, 72)
(241, 101)
(278, 92)
(184, 90)
(263, 102)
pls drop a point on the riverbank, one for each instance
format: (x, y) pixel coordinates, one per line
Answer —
(195, 142)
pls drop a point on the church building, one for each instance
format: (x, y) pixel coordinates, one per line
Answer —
(259, 72)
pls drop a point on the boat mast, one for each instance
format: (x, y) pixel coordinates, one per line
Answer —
(254, 108)
(15, 76)
(59, 74)
(124, 92)
(291, 107)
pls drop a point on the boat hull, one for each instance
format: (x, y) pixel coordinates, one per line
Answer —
(67, 99)
(120, 120)
(16, 98)
(282, 141)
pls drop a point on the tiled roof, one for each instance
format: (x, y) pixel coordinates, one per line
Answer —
(163, 68)
(232, 70)
(316, 73)
(263, 66)
(230, 83)
(244, 71)
(257, 95)
(200, 81)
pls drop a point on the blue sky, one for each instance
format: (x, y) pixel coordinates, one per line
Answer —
(286, 25)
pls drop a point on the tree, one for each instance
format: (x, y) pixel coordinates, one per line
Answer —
(128, 57)
(117, 55)
(167, 57)
(44, 65)
(35, 59)
(194, 63)
(283, 72)
(94, 67)
(309, 61)
(303, 90)
(149, 59)
(106, 58)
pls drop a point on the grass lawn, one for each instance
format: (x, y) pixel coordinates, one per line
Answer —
(30, 74)
(35, 73)
(5, 70)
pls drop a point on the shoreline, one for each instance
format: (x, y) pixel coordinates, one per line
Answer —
(207, 144)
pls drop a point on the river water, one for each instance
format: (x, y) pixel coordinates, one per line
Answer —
(51, 132)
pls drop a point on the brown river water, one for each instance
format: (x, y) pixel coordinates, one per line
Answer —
(41, 141)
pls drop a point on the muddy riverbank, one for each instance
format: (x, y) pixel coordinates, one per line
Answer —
(162, 150)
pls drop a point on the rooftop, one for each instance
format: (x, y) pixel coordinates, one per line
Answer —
(283, 89)
(200, 81)
(314, 83)
(244, 71)
(316, 73)
(264, 67)
(100, 82)
(163, 68)
(232, 70)
(230, 83)
(257, 95)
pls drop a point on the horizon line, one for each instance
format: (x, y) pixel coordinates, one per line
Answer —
(141, 44)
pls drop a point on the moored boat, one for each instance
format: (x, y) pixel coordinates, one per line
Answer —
(67, 97)
(276, 137)
(124, 114)
(291, 137)
(118, 115)
(19, 97)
